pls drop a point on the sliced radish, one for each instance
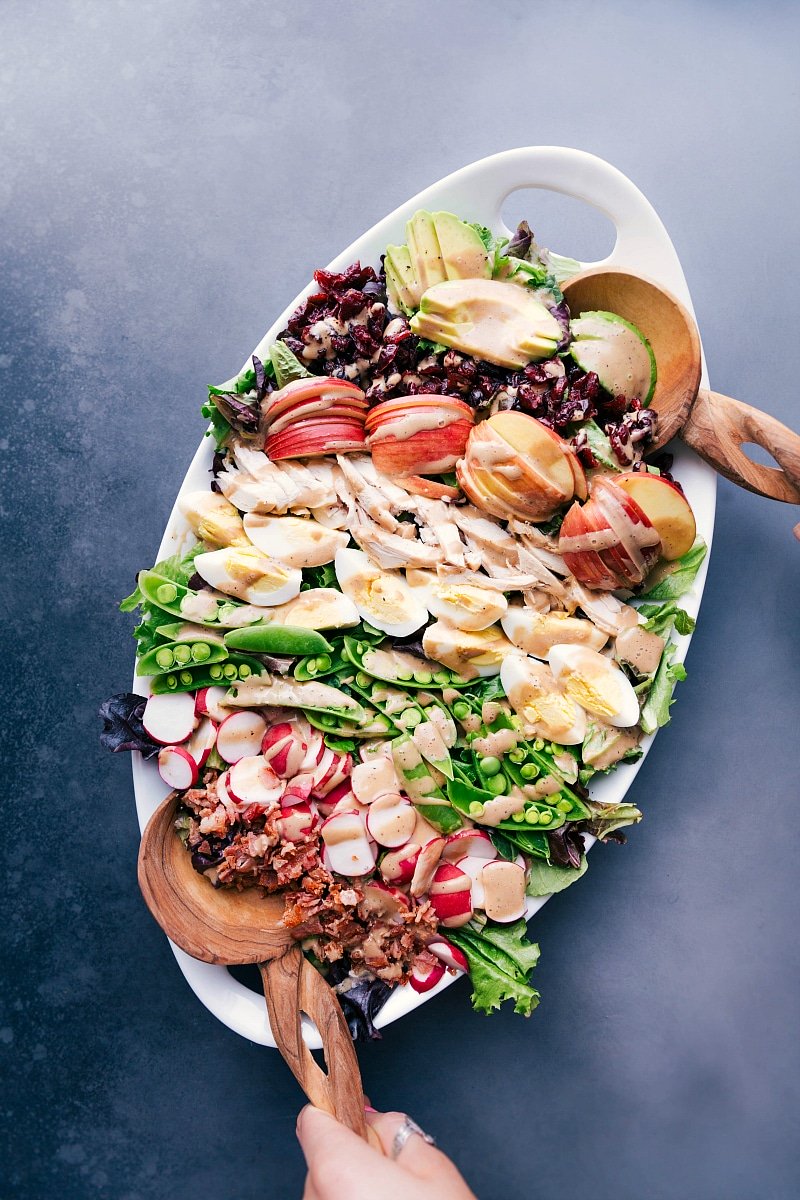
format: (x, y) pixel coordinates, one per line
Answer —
(426, 865)
(252, 780)
(223, 795)
(285, 748)
(473, 866)
(391, 820)
(373, 779)
(240, 735)
(450, 894)
(472, 842)
(298, 790)
(504, 890)
(209, 703)
(332, 770)
(424, 975)
(170, 718)
(315, 748)
(398, 865)
(297, 821)
(177, 767)
(388, 903)
(202, 741)
(349, 851)
(450, 955)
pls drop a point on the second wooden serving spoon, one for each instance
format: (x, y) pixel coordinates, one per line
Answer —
(218, 925)
(715, 426)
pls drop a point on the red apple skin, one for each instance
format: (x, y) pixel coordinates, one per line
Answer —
(609, 567)
(643, 488)
(316, 436)
(431, 450)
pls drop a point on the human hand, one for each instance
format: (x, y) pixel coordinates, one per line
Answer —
(341, 1163)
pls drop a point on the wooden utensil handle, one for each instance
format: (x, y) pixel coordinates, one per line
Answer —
(718, 427)
(293, 986)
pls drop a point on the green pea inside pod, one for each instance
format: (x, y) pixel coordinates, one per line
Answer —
(232, 669)
(201, 608)
(179, 655)
(287, 640)
(397, 666)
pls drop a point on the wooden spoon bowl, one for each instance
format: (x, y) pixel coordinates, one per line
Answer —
(715, 426)
(219, 925)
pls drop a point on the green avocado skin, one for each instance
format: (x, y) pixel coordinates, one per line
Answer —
(618, 353)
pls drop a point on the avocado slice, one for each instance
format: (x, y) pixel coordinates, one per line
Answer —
(463, 253)
(401, 279)
(423, 246)
(490, 319)
(618, 353)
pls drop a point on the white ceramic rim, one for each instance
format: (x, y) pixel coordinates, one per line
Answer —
(476, 192)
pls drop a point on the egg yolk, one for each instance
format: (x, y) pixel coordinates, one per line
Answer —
(382, 595)
(590, 694)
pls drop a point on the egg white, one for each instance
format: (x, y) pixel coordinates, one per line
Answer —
(595, 683)
(383, 598)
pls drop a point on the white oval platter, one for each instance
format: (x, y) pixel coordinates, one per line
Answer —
(476, 193)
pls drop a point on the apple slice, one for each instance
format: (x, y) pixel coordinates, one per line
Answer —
(528, 479)
(539, 445)
(666, 507)
(240, 735)
(321, 406)
(316, 436)
(177, 768)
(301, 391)
(608, 542)
(170, 718)
(430, 488)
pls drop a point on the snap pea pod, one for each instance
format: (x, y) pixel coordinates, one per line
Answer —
(235, 669)
(374, 725)
(291, 693)
(418, 783)
(277, 639)
(405, 714)
(175, 656)
(472, 802)
(202, 608)
(399, 667)
(313, 666)
(187, 631)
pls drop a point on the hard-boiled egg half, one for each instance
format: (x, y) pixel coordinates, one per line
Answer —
(296, 541)
(595, 683)
(383, 598)
(536, 632)
(213, 518)
(534, 694)
(247, 574)
(470, 653)
(318, 608)
(461, 604)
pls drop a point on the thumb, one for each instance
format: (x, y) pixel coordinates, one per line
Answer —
(325, 1142)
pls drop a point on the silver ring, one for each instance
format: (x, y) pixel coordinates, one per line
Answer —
(404, 1133)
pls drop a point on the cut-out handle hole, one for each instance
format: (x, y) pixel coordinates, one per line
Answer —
(759, 455)
(317, 1055)
(563, 224)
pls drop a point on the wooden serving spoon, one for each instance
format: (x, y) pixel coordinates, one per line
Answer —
(715, 426)
(231, 928)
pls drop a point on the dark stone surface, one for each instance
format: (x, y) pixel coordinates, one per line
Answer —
(171, 172)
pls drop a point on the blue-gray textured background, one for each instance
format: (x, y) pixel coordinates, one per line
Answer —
(170, 174)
